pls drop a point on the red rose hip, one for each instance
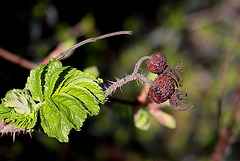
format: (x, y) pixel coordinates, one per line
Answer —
(157, 65)
(162, 89)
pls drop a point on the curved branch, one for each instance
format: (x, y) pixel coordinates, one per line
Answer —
(60, 56)
(138, 64)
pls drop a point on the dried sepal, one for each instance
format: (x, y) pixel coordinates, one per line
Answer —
(175, 100)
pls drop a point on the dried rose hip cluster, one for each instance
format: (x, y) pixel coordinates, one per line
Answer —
(164, 85)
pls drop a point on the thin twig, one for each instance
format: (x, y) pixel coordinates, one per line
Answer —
(227, 134)
(225, 67)
(60, 56)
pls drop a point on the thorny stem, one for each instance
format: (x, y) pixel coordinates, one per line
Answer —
(134, 76)
(60, 56)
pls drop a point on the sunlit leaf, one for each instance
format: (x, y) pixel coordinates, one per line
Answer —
(19, 108)
(69, 95)
(163, 118)
(63, 95)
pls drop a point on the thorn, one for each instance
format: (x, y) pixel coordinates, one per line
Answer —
(121, 89)
(117, 79)
(141, 81)
(111, 82)
(137, 82)
(14, 137)
(104, 86)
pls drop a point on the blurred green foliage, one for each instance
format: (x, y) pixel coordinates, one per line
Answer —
(198, 33)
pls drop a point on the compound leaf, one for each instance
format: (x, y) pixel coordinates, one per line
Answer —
(69, 95)
(63, 96)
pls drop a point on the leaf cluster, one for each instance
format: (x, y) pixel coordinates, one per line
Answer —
(61, 95)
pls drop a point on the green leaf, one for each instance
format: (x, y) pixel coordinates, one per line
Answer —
(141, 119)
(66, 96)
(63, 95)
(75, 75)
(93, 89)
(20, 100)
(163, 118)
(53, 122)
(5, 112)
(84, 97)
(53, 71)
(35, 81)
(22, 121)
(60, 114)
(71, 109)
(19, 108)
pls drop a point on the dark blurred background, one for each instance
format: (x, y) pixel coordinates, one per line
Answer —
(201, 34)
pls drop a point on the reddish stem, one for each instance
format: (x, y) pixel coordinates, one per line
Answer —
(16, 59)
